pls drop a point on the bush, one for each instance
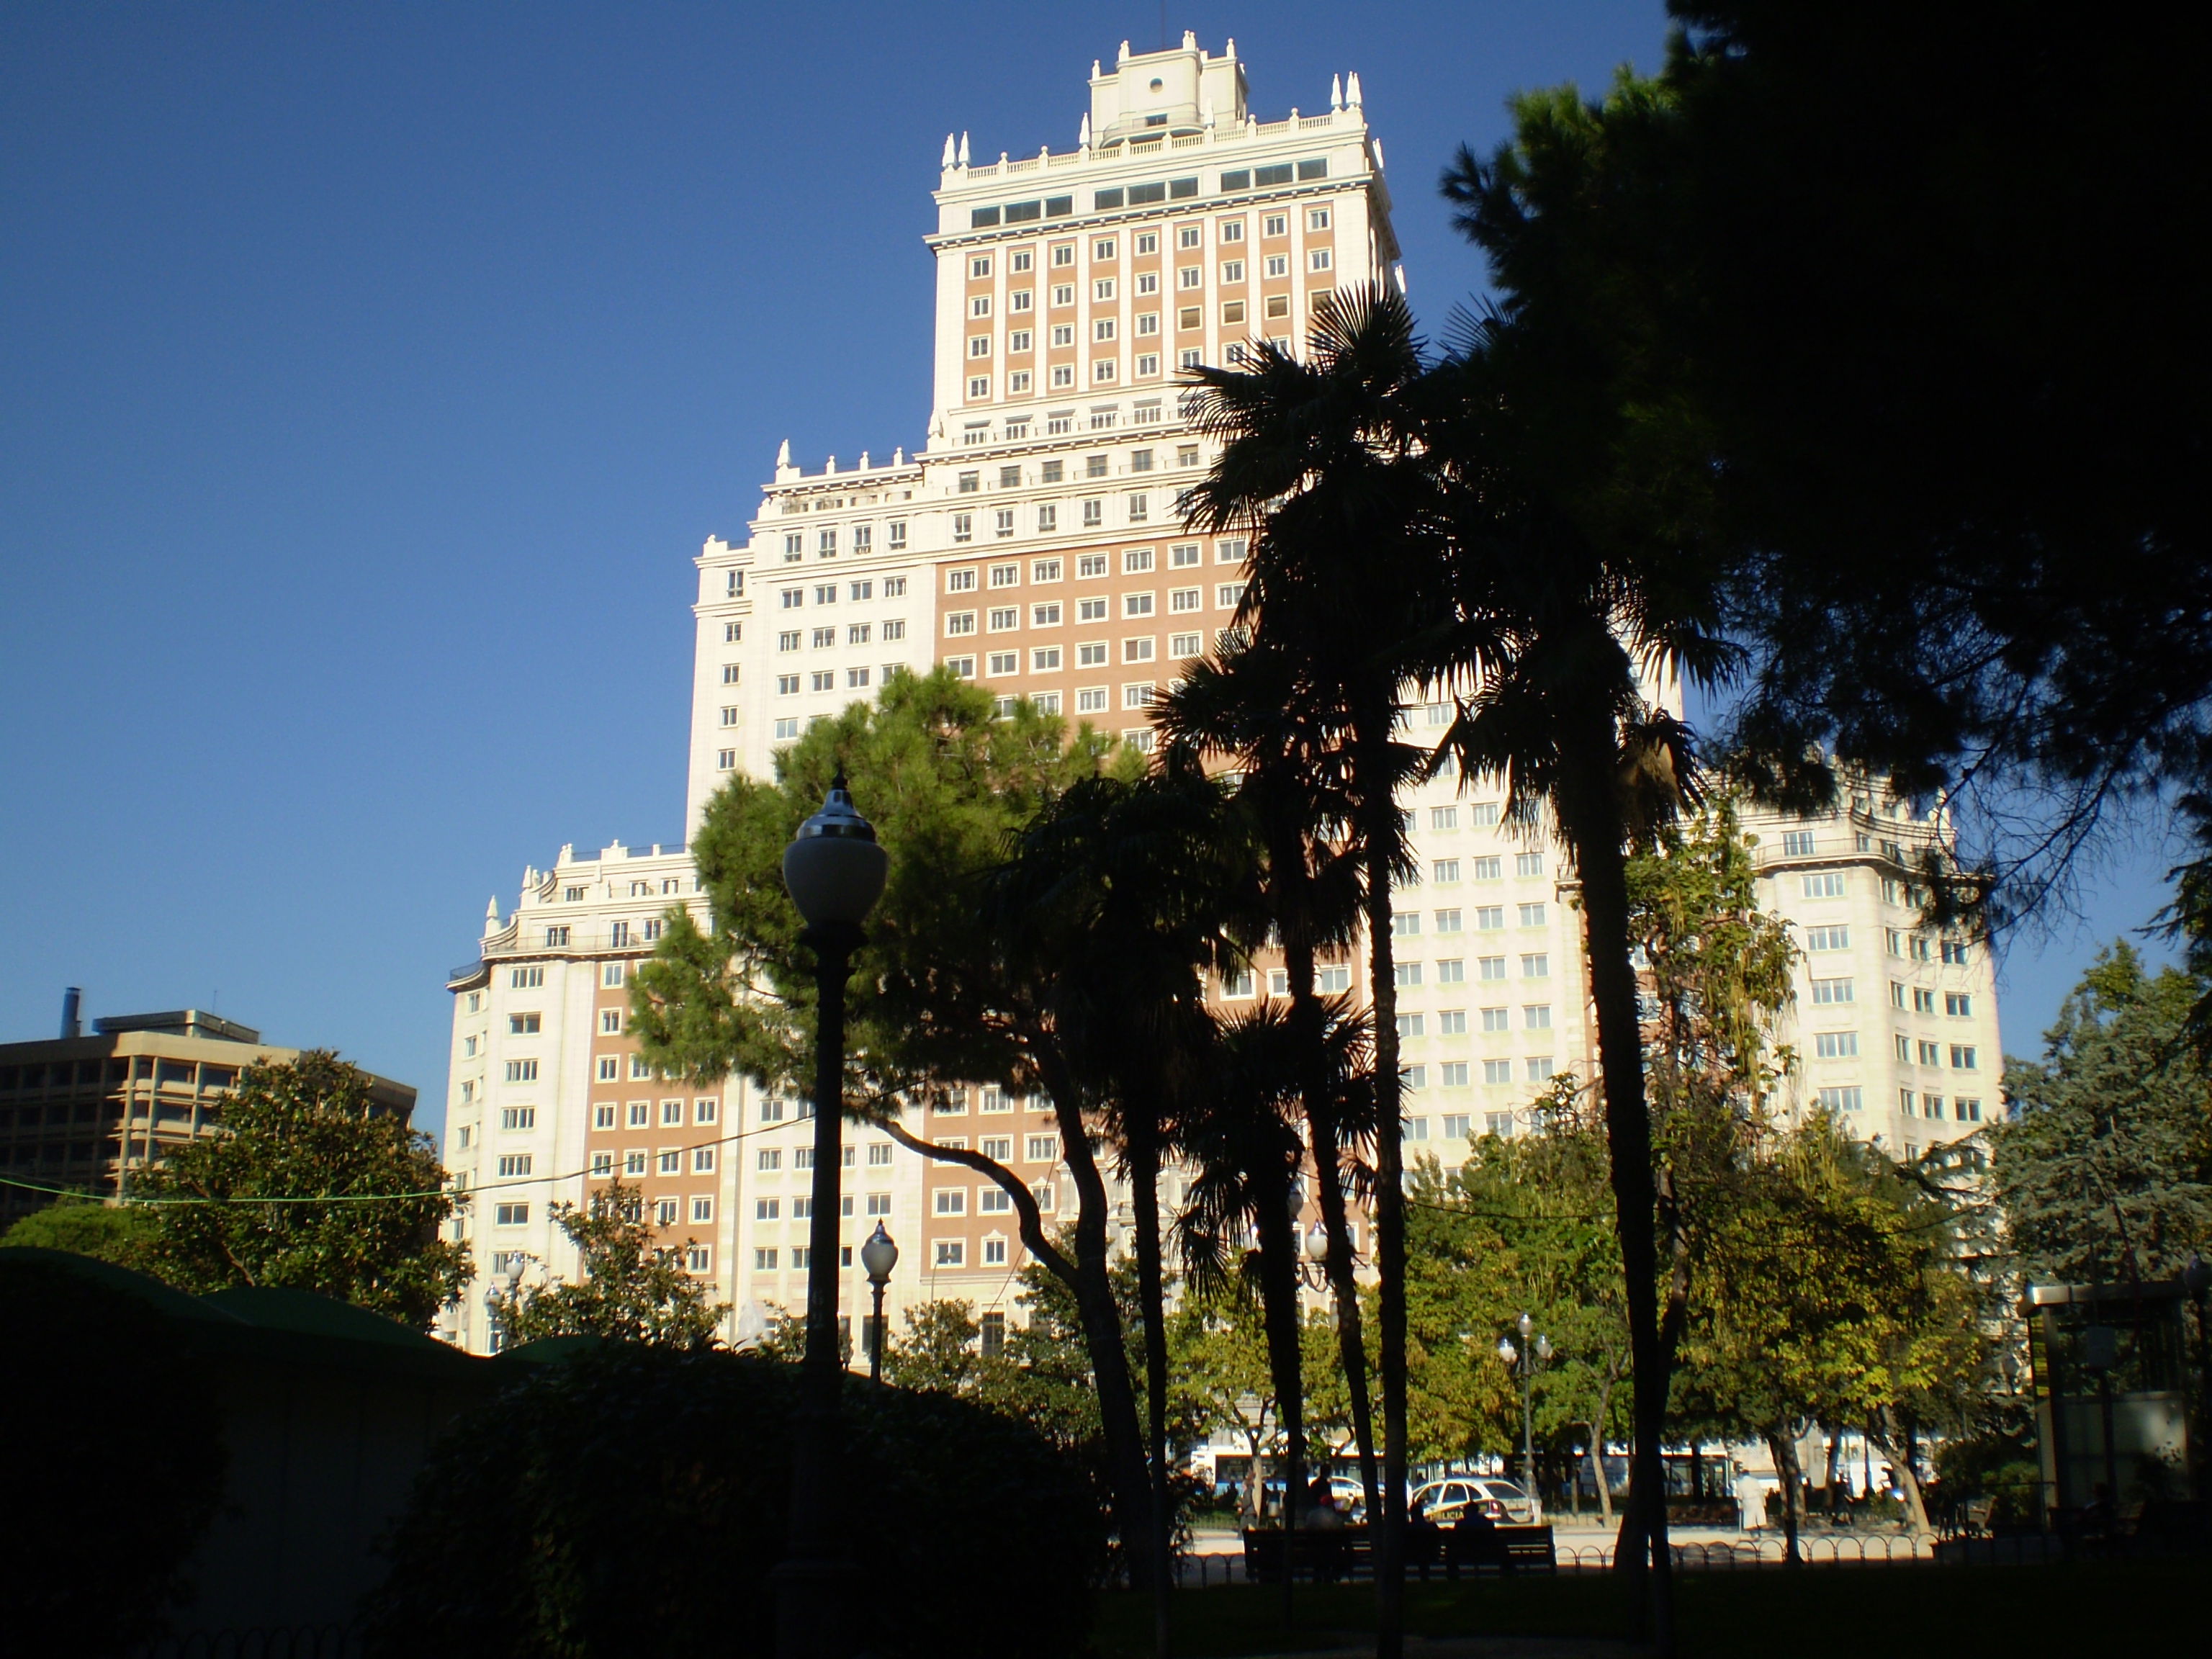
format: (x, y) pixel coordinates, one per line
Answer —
(632, 1501)
(115, 1461)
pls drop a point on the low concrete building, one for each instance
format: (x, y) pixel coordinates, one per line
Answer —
(80, 1112)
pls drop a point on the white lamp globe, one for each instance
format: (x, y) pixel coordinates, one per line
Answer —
(833, 868)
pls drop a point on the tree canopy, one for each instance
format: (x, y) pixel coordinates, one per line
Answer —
(630, 1289)
(2104, 1172)
(311, 1187)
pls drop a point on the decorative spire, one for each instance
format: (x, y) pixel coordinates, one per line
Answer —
(898, 456)
(1352, 89)
(1122, 56)
(1083, 132)
(963, 149)
(863, 460)
(783, 455)
(1336, 92)
(1190, 40)
(948, 153)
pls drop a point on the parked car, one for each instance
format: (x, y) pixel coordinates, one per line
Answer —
(1444, 1501)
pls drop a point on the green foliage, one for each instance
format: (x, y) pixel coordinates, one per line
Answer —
(2105, 1170)
(1526, 1226)
(1807, 275)
(123, 1234)
(79, 1357)
(632, 1501)
(307, 1129)
(947, 786)
(631, 1291)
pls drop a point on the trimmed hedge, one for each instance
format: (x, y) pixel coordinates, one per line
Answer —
(115, 1459)
(631, 1501)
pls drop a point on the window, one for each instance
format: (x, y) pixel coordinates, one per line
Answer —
(786, 729)
(522, 1025)
(1797, 843)
(958, 622)
(1228, 596)
(824, 679)
(1924, 1002)
(1835, 1045)
(1827, 991)
(1333, 980)
(1490, 967)
(1318, 218)
(1185, 645)
(1529, 864)
(1540, 1067)
(1004, 618)
(895, 629)
(556, 938)
(1962, 1057)
(1231, 230)
(1137, 604)
(1045, 660)
(522, 1071)
(1496, 1019)
(1536, 965)
(514, 1164)
(510, 1215)
(1452, 971)
(771, 1158)
(1408, 973)
(1498, 1071)
(1279, 264)
(764, 1260)
(951, 1253)
(1536, 1016)
(1452, 1022)
(1965, 1111)
(1845, 1099)
(1955, 952)
(1827, 939)
(824, 637)
(1137, 651)
(1828, 883)
(1091, 700)
(1958, 1004)
(1138, 694)
(951, 1200)
(1489, 918)
(1094, 515)
(1532, 916)
(1104, 248)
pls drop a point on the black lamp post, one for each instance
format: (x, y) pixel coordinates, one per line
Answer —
(878, 1256)
(835, 872)
(1522, 1362)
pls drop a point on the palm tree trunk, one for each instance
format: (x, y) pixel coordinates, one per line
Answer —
(1143, 1152)
(1279, 1301)
(1376, 814)
(1324, 1134)
(1591, 821)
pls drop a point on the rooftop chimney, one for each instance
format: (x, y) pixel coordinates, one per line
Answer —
(72, 1022)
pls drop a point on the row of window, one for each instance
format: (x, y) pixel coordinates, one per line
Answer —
(1135, 562)
(605, 1112)
(1457, 1074)
(1488, 918)
(825, 547)
(1452, 1022)
(669, 1161)
(1489, 868)
(1115, 198)
(1055, 471)
(802, 1207)
(1480, 815)
(791, 599)
(1106, 290)
(789, 639)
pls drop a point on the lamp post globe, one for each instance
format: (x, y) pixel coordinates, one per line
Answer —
(1527, 1325)
(878, 1257)
(835, 872)
(1316, 1243)
(834, 868)
(1506, 1350)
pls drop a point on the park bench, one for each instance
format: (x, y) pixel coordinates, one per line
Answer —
(1319, 1554)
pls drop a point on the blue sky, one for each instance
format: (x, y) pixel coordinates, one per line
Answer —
(374, 373)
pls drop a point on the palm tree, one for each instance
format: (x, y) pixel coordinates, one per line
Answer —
(1322, 462)
(1244, 705)
(1120, 895)
(1240, 1133)
(1580, 606)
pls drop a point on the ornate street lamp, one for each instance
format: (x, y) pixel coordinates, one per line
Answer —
(1521, 1362)
(878, 1256)
(835, 872)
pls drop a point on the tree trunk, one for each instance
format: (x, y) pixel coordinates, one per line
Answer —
(1597, 1467)
(1592, 822)
(1143, 1154)
(1899, 1449)
(1378, 818)
(1101, 1336)
(1324, 1134)
(1782, 1448)
(1278, 1306)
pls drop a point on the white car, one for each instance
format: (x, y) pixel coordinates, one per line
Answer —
(1444, 1501)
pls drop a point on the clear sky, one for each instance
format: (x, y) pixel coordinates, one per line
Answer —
(373, 372)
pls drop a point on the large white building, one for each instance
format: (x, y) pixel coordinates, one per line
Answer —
(1034, 543)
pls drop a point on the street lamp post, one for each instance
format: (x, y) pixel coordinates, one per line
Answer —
(835, 872)
(1522, 1361)
(878, 1256)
